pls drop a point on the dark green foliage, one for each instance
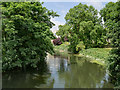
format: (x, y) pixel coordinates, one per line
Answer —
(73, 44)
(114, 66)
(25, 34)
(111, 16)
(92, 35)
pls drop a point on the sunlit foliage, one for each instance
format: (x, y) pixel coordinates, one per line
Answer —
(83, 24)
(25, 34)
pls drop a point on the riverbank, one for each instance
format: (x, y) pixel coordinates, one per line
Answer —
(62, 50)
(96, 55)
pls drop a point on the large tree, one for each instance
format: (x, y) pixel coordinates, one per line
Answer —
(111, 17)
(84, 26)
(25, 34)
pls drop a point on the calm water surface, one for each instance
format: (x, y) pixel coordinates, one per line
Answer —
(58, 72)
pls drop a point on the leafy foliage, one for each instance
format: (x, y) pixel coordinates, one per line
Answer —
(83, 24)
(92, 35)
(111, 16)
(63, 31)
(76, 17)
(25, 34)
(114, 66)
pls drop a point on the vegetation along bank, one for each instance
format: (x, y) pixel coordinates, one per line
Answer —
(26, 35)
(88, 35)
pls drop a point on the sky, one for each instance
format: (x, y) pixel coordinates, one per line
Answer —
(63, 7)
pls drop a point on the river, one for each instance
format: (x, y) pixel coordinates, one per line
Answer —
(60, 72)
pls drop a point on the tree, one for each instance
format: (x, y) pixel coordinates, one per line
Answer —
(25, 34)
(111, 16)
(83, 21)
(63, 31)
(85, 29)
(98, 36)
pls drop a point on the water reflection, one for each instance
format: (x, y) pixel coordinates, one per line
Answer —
(58, 72)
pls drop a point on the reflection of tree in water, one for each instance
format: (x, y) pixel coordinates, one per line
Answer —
(80, 73)
(63, 65)
(84, 75)
(72, 59)
(28, 79)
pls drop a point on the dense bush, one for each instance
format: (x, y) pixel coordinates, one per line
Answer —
(80, 46)
(114, 66)
(73, 44)
(111, 16)
(25, 34)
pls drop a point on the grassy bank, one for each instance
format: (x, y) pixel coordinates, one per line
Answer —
(62, 49)
(63, 46)
(97, 55)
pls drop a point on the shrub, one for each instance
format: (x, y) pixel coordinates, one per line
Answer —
(114, 66)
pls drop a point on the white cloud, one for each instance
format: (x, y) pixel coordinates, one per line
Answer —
(64, 12)
(57, 23)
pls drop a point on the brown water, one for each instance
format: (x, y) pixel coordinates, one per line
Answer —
(58, 72)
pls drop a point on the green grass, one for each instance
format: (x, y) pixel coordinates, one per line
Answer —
(97, 53)
(62, 49)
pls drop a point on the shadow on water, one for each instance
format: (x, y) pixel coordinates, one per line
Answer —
(27, 79)
(59, 72)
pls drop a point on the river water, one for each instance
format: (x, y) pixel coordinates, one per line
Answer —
(59, 72)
